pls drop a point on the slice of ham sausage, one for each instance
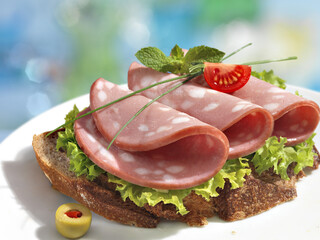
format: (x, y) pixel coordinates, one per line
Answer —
(162, 148)
(295, 117)
(246, 125)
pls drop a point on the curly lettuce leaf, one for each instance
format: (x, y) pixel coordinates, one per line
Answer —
(80, 164)
(274, 154)
(270, 77)
(234, 170)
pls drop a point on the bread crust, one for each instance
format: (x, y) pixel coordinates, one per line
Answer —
(259, 193)
(98, 199)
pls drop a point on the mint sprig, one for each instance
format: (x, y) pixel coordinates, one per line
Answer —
(177, 62)
(190, 64)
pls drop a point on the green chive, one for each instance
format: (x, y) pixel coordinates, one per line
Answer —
(149, 103)
(270, 61)
(120, 99)
(236, 51)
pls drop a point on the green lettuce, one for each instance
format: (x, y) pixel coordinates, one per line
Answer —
(270, 77)
(274, 154)
(234, 170)
(80, 164)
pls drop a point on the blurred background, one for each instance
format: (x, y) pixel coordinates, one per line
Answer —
(52, 51)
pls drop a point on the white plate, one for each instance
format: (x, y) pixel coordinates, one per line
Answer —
(28, 203)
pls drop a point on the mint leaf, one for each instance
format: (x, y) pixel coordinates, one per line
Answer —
(201, 54)
(177, 53)
(177, 63)
(270, 77)
(154, 58)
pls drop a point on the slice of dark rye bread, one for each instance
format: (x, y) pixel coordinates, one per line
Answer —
(258, 194)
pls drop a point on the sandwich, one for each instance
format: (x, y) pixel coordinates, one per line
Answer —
(189, 153)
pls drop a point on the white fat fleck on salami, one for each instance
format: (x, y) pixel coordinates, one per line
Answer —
(91, 138)
(235, 142)
(278, 96)
(116, 125)
(271, 106)
(143, 128)
(114, 110)
(238, 107)
(109, 85)
(90, 125)
(168, 178)
(275, 90)
(241, 135)
(175, 169)
(135, 88)
(158, 172)
(161, 164)
(106, 154)
(304, 123)
(163, 128)
(165, 109)
(210, 142)
(127, 157)
(142, 171)
(249, 136)
(146, 81)
(102, 96)
(241, 106)
(280, 133)
(149, 134)
(180, 120)
(99, 85)
(186, 104)
(167, 102)
(151, 94)
(210, 107)
(300, 130)
(197, 92)
(294, 127)
(178, 92)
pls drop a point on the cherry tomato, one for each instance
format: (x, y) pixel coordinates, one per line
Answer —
(226, 77)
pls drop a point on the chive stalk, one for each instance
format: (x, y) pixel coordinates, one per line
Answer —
(122, 98)
(149, 103)
(270, 61)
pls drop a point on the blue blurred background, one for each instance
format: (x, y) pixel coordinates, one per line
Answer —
(51, 51)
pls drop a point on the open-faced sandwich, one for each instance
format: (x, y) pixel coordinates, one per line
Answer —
(192, 138)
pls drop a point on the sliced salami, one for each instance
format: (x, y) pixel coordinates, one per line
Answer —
(295, 117)
(162, 148)
(246, 125)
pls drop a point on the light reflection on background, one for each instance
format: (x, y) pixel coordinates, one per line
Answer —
(51, 51)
